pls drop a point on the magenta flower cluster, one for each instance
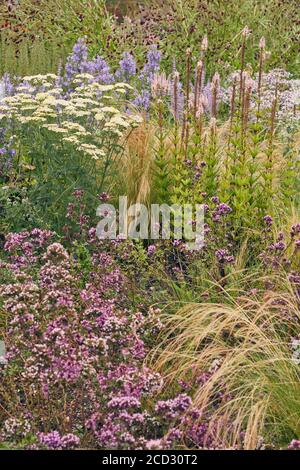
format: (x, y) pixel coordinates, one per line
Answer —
(75, 355)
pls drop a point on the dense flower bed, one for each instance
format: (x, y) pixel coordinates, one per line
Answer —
(146, 343)
(73, 348)
(75, 374)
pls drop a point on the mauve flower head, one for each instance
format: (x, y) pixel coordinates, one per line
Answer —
(268, 220)
(160, 85)
(173, 408)
(294, 278)
(295, 230)
(151, 249)
(104, 197)
(262, 43)
(223, 256)
(279, 245)
(204, 43)
(294, 445)
(246, 32)
(53, 440)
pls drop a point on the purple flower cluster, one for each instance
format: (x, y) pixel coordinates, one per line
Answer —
(274, 254)
(100, 69)
(152, 65)
(127, 68)
(78, 63)
(173, 408)
(268, 220)
(142, 100)
(54, 441)
(223, 256)
(219, 211)
(294, 445)
(74, 351)
(24, 247)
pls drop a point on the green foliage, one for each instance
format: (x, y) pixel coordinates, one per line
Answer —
(183, 23)
(36, 38)
(58, 154)
(162, 182)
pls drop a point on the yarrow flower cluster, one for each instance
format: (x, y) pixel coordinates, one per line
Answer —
(85, 119)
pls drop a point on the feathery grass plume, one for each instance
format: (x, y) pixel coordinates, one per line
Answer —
(254, 389)
(136, 169)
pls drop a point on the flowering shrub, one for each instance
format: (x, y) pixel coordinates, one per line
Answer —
(77, 139)
(75, 374)
(86, 114)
